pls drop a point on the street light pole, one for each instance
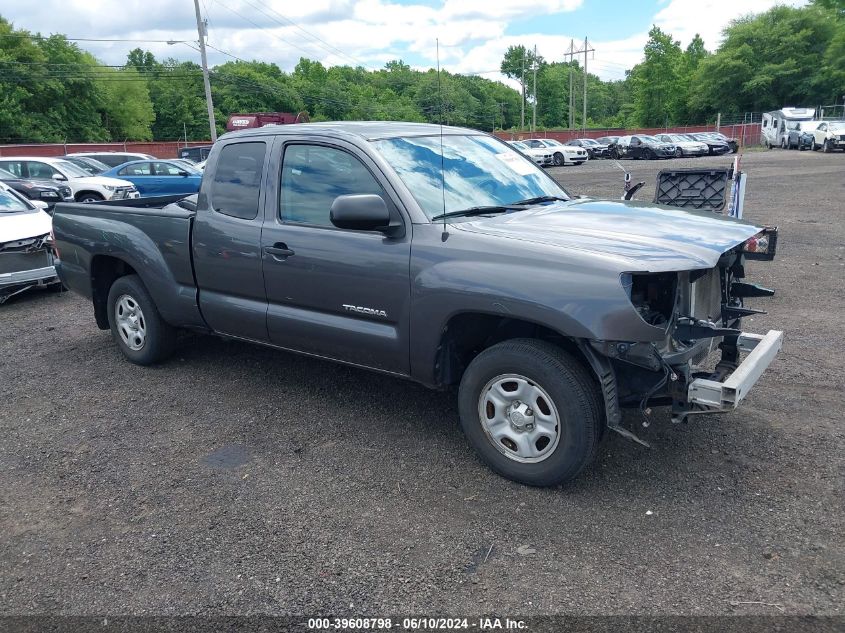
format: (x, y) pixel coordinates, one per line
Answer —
(212, 124)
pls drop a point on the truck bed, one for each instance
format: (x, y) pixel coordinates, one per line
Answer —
(151, 236)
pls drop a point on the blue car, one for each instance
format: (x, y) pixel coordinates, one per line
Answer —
(158, 177)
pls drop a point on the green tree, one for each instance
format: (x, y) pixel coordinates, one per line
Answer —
(656, 78)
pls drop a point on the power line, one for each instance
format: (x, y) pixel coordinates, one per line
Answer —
(325, 45)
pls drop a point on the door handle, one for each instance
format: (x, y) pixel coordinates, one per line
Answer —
(279, 251)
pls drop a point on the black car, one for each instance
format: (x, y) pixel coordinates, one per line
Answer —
(716, 146)
(593, 147)
(649, 147)
(195, 154)
(47, 191)
(800, 139)
(733, 143)
(607, 140)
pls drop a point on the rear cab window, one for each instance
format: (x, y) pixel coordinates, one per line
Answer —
(236, 187)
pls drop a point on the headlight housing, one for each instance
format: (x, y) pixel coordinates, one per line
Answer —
(761, 246)
(109, 188)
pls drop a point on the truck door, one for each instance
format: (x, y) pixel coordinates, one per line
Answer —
(335, 293)
(227, 241)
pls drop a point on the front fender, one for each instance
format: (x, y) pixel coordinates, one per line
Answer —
(577, 301)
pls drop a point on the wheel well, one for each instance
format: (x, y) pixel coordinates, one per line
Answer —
(468, 334)
(79, 194)
(104, 270)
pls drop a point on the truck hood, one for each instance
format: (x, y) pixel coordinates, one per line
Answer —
(20, 226)
(639, 236)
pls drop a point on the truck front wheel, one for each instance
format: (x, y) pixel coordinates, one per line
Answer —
(136, 325)
(531, 411)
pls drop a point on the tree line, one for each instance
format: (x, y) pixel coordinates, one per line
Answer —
(53, 91)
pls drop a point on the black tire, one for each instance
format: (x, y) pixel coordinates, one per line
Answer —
(679, 153)
(558, 159)
(649, 154)
(89, 196)
(574, 395)
(827, 148)
(160, 337)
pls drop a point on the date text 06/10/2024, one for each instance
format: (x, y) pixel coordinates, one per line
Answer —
(417, 624)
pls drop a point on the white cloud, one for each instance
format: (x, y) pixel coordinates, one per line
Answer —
(472, 33)
(684, 18)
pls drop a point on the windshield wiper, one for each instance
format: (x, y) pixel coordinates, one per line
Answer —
(476, 211)
(540, 199)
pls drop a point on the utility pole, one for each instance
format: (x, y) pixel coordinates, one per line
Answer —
(587, 49)
(522, 112)
(201, 31)
(571, 54)
(534, 114)
(571, 111)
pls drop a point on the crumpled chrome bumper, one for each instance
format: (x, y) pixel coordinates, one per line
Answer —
(713, 395)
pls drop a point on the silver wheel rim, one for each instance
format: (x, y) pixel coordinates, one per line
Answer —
(519, 418)
(131, 324)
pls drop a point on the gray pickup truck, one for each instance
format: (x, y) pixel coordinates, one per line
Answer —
(443, 256)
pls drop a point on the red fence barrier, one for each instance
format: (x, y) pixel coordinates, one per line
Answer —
(747, 133)
(162, 149)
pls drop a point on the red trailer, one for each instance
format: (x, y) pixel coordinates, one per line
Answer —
(260, 119)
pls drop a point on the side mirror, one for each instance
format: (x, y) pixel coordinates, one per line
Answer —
(183, 173)
(362, 212)
(39, 204)
(59, 177)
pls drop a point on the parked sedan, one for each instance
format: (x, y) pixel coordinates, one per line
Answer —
(541, 157)
(26, 248)
(113, 159)
(649, 147)
(716, 147)
(685, 146)
(48, 191)
(800, 138)
(561, 154)
(733, 143)
(593, 147)
(91, 165)
(158, 177)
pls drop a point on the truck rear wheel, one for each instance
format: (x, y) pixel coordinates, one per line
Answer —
(136, 325)
(531, 411)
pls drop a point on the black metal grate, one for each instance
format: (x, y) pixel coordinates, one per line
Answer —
(693, 188)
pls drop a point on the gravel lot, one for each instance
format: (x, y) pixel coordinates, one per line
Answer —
(239, 480)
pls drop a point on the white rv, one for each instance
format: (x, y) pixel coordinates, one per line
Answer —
(776, 124)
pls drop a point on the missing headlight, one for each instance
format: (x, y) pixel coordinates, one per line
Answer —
(653, 295)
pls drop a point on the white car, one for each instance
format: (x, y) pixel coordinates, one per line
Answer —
(685, 145)
(113, 159)
(561, 154)
(86, 188)
(26, 248)
(829, 135)
(541, 157)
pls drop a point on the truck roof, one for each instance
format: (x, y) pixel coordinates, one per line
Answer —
(367, 130)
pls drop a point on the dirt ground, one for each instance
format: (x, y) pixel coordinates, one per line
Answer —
(239, 480)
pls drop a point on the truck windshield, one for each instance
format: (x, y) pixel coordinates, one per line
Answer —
(478, 171)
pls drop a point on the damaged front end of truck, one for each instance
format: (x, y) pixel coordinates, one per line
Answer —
(705, 363)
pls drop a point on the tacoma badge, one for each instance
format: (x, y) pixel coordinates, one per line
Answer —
(363, 310)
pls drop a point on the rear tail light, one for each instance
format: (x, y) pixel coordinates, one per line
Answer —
(761, 246)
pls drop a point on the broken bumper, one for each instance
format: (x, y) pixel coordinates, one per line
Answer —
(714, 395)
